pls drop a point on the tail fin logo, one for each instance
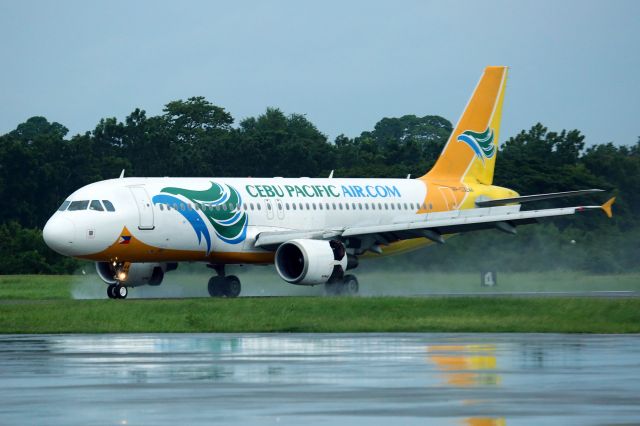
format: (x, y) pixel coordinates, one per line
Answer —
(480, 143)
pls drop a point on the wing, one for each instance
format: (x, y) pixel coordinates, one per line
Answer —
(537, 197)
(431, 225)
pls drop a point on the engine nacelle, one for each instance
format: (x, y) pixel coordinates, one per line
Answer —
(138, 273)
(310, 262)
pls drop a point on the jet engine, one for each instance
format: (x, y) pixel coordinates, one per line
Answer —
(136, 275)
(310, 262)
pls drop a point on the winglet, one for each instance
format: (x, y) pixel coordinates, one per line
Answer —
(122, 174)
(606, 207)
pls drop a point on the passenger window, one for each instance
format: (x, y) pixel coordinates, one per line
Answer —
(108, 206)
(259, 206)
(346, 206)
(327, 206)
(320, 206)
(293, 205)
(300, 206)
(366, 206)
(244, 206)
(340, 205)
(161, 207)
(314, 205)
(251, 206)
(268, 206)
(64, 206)
(78, 205)
(360, 206)
(307, 206)
(182, 207)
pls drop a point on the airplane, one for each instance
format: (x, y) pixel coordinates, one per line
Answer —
(314, 230)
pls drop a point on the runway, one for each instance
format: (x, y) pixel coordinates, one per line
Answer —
(362, 379)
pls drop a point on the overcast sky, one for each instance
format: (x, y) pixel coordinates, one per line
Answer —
(345, 65)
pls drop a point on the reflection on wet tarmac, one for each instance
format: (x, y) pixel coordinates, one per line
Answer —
(468, 366)
(457, 379)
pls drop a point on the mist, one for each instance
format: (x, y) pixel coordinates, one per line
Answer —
(538, 260)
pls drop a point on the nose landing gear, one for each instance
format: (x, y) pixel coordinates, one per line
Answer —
(117, 291)
(223, 286)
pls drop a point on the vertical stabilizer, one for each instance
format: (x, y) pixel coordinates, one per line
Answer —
(470, 153)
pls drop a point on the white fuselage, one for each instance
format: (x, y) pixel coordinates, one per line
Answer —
(176, 216)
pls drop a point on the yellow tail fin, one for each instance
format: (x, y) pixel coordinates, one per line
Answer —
(470, 153)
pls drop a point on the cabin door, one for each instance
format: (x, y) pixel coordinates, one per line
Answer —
(279, 209)
(145, 209)
(269, 206)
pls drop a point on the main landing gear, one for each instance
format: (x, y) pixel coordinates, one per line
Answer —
(223, 286)
(347, 286)
(117, 291)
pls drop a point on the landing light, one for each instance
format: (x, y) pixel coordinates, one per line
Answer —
(122, 276)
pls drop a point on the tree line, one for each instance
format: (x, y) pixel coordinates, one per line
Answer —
(40, 165)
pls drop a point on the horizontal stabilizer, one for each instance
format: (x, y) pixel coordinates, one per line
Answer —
(536, 197)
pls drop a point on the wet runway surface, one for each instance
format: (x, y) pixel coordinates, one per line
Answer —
(366, 379)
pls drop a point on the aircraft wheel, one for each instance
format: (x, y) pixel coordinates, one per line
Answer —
(350, 285)
(110, 291)
(232, 287)
(216, 286)
(121, 291)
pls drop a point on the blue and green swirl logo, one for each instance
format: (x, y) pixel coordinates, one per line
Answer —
(220, 205)
(481, 143)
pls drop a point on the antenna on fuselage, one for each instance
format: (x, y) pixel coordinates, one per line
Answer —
(331, 175)
(122, 174)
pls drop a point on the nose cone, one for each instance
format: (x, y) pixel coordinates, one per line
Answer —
(58, 234)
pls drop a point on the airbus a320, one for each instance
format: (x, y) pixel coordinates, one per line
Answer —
(314, 230)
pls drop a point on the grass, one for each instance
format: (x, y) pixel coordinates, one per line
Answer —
(314, 314)
(43, 304)
(33, 287)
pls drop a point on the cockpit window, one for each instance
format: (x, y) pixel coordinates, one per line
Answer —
(64, 206)
(95, 205)
(78, 205)
(108, 206)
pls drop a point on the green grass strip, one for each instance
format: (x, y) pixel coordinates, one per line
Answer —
(321, 314)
